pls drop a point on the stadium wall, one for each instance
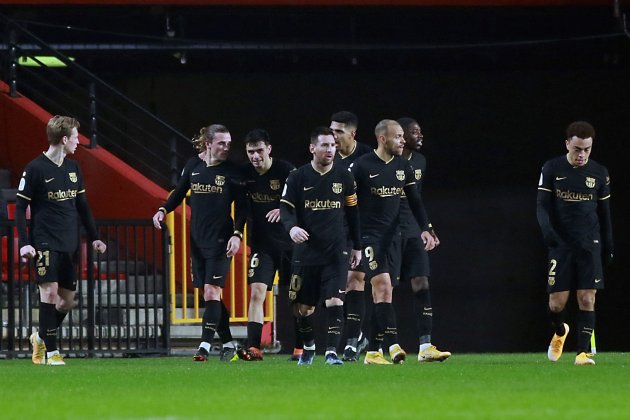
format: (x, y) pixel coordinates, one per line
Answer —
(114, 189)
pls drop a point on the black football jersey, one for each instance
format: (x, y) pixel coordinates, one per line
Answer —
(51, 191)
(576, 192)
(264, 192)
(212, 191)
(379, 188)
(347, 161)
(408, 224)
(318, 201)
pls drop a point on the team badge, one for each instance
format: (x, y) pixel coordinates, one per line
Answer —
(337, 187)
(219, 180)
(551, 281)
(418, 173)
(73, 176)
(400, 175)
(274, 184)
(590, 182)
(373, 265)
(41, 271)
(250, 272)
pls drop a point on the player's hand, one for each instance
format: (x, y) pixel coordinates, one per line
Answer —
(158, 217)
(27, 252)
(273, 216)
(355, 258)
(99, 246)
(435, 237)
(233, 245)
(298, 235)
(429, 242)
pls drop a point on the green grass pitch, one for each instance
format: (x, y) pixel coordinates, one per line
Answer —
(465, 386)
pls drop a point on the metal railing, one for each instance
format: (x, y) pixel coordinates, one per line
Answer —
(116, 122)
(236, 289)
(122, 299)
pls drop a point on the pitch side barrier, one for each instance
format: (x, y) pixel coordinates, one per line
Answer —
(122, 300)
(185, 299)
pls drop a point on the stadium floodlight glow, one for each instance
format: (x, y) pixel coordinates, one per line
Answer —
(45, 60)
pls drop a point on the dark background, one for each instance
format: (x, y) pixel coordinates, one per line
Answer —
(492, 87)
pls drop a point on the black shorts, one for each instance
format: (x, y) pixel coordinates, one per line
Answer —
(575, 269)
(209, 266)
(313, 284)
(263, 266)
(415, 259)
(56, 267)
(381, 257)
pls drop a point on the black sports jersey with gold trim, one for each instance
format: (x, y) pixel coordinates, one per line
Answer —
(379, 188)
(52, 190)
(318, 202)
(212, 191)
(264, 192)
(575, 195)
(347, 161)
(408, 224)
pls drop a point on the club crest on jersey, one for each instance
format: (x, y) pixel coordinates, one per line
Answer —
(418, 173)
(337, 187)
(400, 175)
(73, 176)
(41, 271)
(274, 184)
(590, 182)
(219, 180)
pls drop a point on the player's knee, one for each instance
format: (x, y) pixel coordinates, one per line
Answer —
(304, 310)
(257, 296)
(355, 282)
(419, 283)
(586, 301)
(66, 306)
(334, 302)
(211, 292)
(49, 293)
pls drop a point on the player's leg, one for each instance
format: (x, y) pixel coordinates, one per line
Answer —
(557, 303)
(56, 299)
(260, 275)
(333, 289)
(229, 346)
(427, 352)
(585, 325)
(590, 274)
(558, 287)
(45, 339)
(209, 321)
(355, 313)
(304, 293)
(383, 318)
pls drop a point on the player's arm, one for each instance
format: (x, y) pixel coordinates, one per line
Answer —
(605, 223)
(240, 209)
(174, 198)
(23, 199)
(419, 213)
(543, 209)
(88, 222)
(26, 249)
(273, 216)
(288, 214)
